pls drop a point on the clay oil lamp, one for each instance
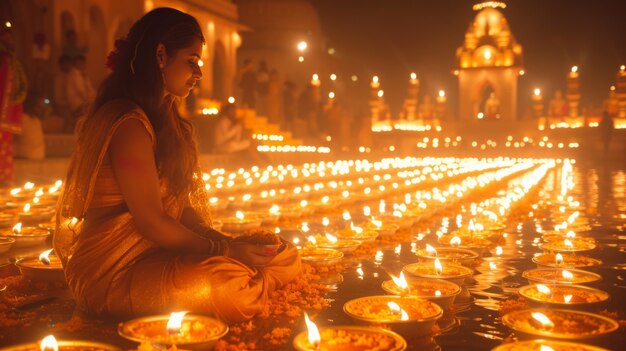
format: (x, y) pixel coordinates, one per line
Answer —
(559, 324)
(357, 233)
(436, 270)
(34, 215)
(560, 276)
(347, 338)
(50, 343)
(240, 223)
(45, 268)
(26, 236)
(402, 313)
(563, 296)
(330, 241)
(439, 291)
(383, 229)
(472, 243)
(546, 345)
(564, 260)
(185, 331)
(320, 256)
(567, 245)
(447, 254)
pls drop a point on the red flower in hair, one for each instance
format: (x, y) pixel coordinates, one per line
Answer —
(113, 56)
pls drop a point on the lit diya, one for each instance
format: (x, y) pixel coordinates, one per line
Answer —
(546, 345)
(45, 268)
(357, 233)
(49, 343)
(436, 270)
(34, 215)
(403, 313)
(439, 291)
(382, 228)
(347, 338)
(473, 243)
(560, 276)
(565, 260)
(186, 331)
(563, 296)
(567, 245)
(331, 242)
(240, 223)
(27, 236)
(320, 256)
(6, 244)
(559, 324)
(447, 254)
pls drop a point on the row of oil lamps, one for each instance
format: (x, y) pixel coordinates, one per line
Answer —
(449, 275)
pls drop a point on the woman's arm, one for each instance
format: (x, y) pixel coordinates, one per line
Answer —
(132, 158)
(194, 222)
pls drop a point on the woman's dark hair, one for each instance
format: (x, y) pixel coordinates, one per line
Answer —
(136, 76)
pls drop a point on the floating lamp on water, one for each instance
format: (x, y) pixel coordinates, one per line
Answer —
(187, 331)
(347, 338)
(439, 291)
(560, 276)
(447, 271)
(447, 254)
(418, 318)
(345, 246)
(49, 343)
(30, 215)
(559, 324)
(546, 345)
(563, 296)
(565, 260)
(45, 268)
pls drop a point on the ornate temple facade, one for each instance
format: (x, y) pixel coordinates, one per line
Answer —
(489, 64)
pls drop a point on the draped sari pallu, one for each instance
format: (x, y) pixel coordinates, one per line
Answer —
(113, 270)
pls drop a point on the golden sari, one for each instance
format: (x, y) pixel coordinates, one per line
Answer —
(113, 270)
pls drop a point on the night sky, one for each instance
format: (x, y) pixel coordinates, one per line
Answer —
(392, 38)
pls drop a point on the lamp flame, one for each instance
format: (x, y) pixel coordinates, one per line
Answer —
(26, 208)
(471, 227)
(499, 250)
(559, 259)
(49, 343)
(431, 250)
(175, 322)
(438, 266)
(400, 281)
(543, 289)
(239, 215)
(346, 215)
(395, 309)
(567, 275)
(311, 239)
(570, 235)
(377, 223)
(567, 298)
(437, 293)
(455, 241)
(44, 257)
(331, 238)
(545, 348)
(17, 228)
(312, 331)
(367, 211)
(568, 243)
(543, 319)
(275, 210)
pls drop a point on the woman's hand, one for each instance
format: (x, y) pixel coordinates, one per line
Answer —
(251, 254)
